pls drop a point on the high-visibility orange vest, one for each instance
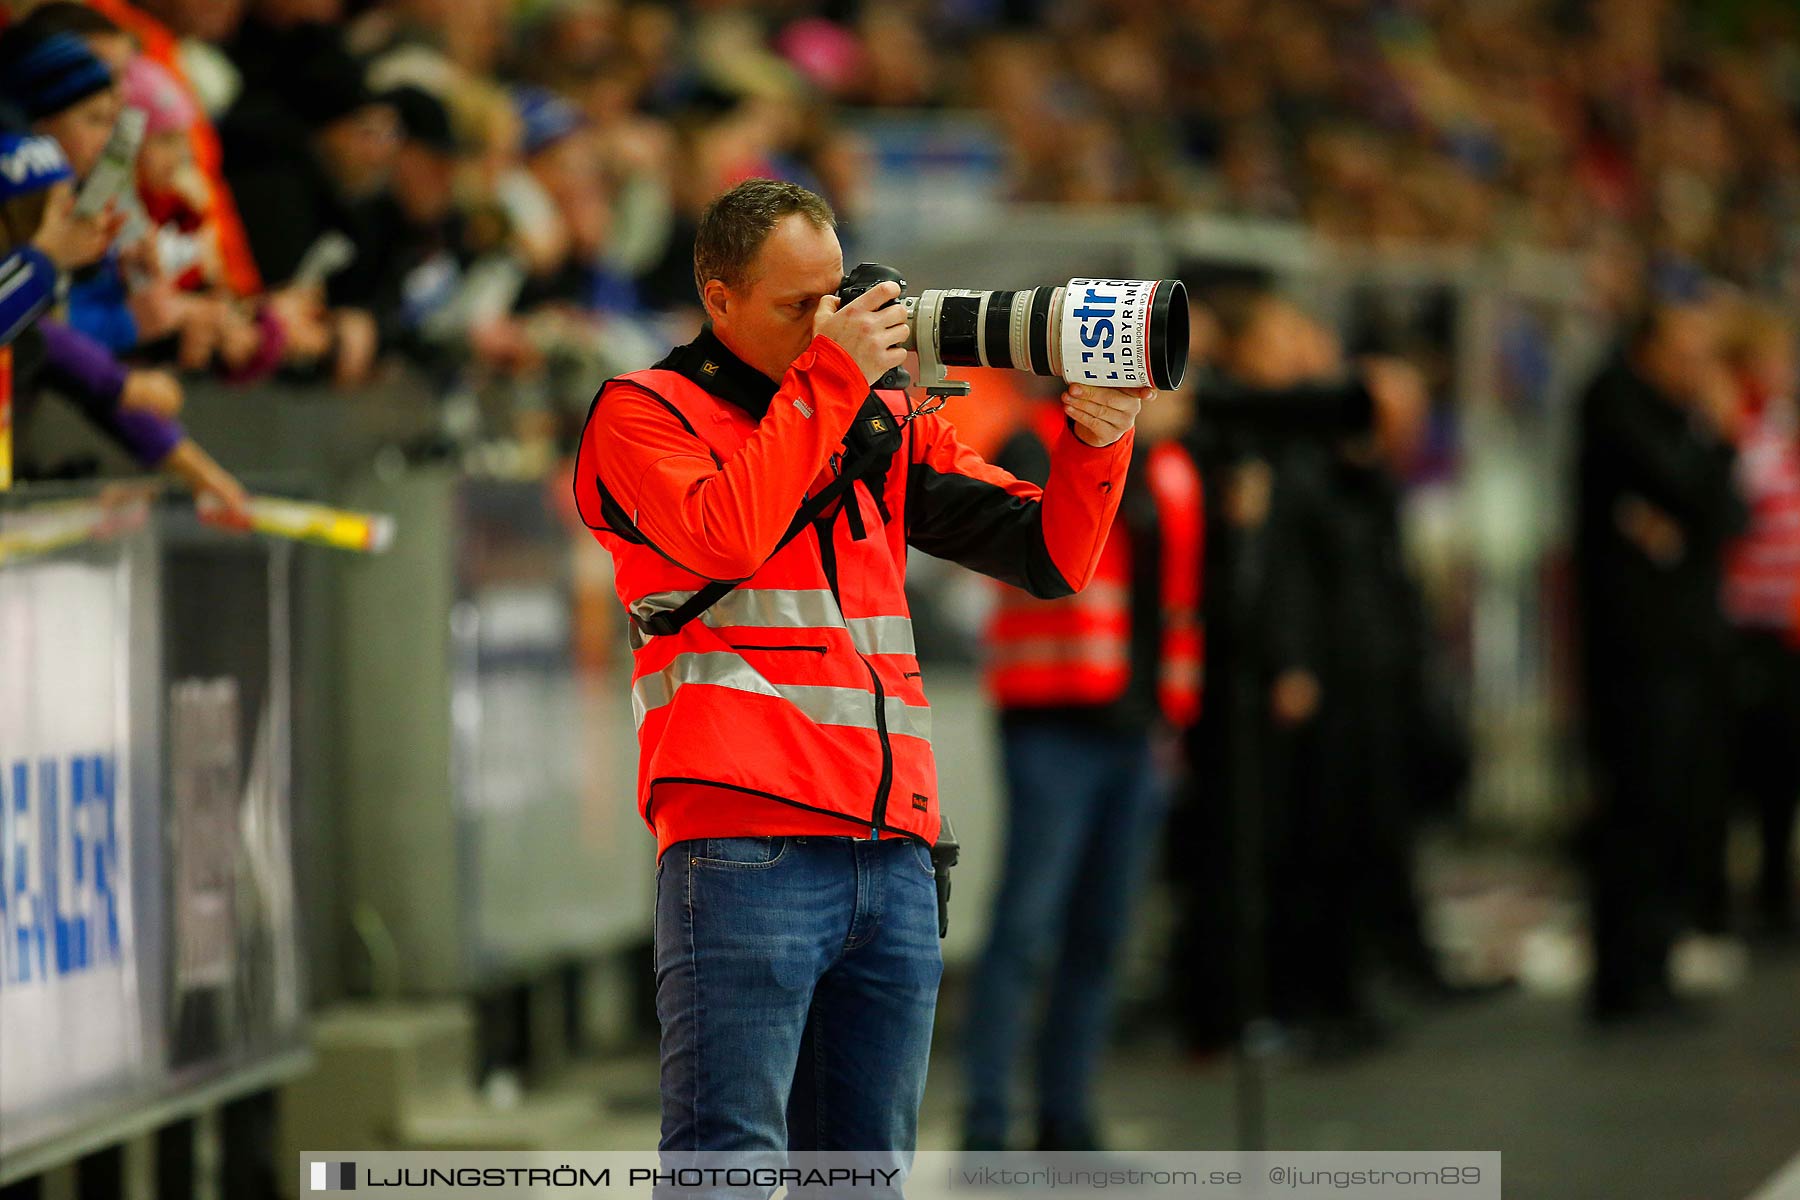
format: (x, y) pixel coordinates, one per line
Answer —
(800, 686)
(1076, 651)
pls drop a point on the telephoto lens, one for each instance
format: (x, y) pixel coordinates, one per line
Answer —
(1120, 333)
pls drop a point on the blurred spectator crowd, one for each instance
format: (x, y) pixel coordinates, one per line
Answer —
(504, 190)
(1645, 133)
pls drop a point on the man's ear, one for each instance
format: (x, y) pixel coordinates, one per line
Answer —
(715, 297)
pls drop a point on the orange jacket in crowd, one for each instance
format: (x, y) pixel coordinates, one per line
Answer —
(158, 43)
(1077, 652)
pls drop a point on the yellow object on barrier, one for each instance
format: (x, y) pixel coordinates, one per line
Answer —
(342, 529)
(53, 526)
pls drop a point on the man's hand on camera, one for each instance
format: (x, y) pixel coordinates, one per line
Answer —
(873, 338)
(1103, 415)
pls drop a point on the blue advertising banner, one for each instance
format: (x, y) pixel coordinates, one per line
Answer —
(70, 972)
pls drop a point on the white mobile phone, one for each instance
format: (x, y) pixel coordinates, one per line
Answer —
(328, 255)
(113, 175)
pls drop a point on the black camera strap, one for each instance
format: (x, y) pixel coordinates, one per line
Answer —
(869, 446)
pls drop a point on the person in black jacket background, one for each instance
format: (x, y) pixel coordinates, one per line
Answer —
(308, 144)
(1265, 377)
(1344, 643)
(1656, 504)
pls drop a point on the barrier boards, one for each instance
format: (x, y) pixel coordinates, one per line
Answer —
(148, 932)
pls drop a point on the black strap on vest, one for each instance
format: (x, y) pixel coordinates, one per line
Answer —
(869, 449)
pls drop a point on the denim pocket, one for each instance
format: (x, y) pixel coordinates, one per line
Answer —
(922, 854)
(741, 853)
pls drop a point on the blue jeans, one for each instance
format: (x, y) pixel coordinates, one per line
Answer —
(1083, 810)
(796, 982)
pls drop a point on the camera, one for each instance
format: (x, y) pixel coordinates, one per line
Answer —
(1119, 333)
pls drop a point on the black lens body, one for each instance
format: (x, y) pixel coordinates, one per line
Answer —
(964, 331)
(1169, 330)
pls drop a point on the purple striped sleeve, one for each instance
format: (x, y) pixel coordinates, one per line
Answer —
(86, 372)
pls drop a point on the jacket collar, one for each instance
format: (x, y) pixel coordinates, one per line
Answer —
(718, 371)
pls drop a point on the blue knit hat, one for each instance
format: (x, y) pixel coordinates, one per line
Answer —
(29, 163)
(545, 118)
(43, 76)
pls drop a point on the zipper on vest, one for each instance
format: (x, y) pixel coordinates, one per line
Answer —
(887, 750)
(828, 560)
(809, 649)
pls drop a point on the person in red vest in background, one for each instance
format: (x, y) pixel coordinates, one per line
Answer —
(1090, 689)
(1762, 602)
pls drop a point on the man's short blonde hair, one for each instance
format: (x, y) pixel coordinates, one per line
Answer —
(735, 225)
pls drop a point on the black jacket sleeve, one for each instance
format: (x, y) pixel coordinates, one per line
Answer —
(1046, 540)
(1294, 585)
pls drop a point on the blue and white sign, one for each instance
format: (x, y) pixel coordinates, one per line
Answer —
(1105, 328)
(69, 1004)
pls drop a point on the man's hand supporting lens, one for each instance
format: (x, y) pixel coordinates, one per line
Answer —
(1104, 415)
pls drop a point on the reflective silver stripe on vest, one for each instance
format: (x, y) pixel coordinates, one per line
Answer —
(822, 705)
(907, 720)
(768, 608)
(882, 635)
(783, 608)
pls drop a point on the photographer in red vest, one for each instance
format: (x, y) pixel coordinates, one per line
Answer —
(758, 498)
(1090, 688)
